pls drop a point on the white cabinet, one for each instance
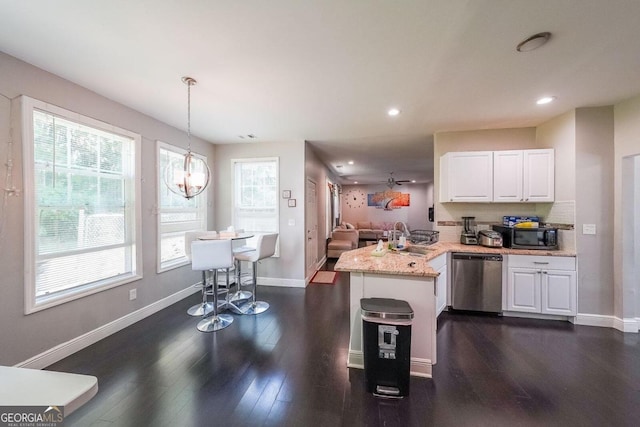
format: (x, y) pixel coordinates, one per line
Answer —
(466, 177)
(439, 264)
(523, 176)
(540, 284)
(511, 176)
(538, 172)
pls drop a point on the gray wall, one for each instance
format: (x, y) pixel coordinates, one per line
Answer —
(24, 336)
(415, 215)
(594, 205)
(290, 264)
(318, 172)
(626, 145)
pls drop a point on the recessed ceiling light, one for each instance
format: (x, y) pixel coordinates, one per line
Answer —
(545, 100)
(355, 182)
(413, 181)
(533, 42)
(350, 162)
(393, 112)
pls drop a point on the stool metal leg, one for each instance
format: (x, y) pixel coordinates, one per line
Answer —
(216, 321)
(204, 307)
(252, 306)
(239, 294)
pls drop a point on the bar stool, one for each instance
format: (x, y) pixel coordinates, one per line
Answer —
(239, 294)
(265, 247)
(204, 307)
(209, 256)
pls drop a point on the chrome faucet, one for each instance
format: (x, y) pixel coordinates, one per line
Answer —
(403, 231)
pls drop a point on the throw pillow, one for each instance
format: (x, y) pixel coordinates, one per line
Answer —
(349, 226)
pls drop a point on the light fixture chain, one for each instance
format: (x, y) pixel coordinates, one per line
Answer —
(189, 114)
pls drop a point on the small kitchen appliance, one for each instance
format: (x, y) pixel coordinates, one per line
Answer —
(490, 239)
(468, 236)
(528, 238)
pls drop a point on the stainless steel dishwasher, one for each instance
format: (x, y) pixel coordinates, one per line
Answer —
(476, 284)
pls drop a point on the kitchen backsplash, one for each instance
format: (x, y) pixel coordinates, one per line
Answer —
(559, 214)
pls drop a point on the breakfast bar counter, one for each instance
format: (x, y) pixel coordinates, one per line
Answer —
(410, 275)
(400, 275)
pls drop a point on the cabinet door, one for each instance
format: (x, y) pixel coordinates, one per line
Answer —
(523, 290)
(559, 292)
(467, 177)
(539, 175)
(441, 289)
(507, 176)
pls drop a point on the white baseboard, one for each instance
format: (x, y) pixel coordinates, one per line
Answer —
(535, 316)
(630, 325)
(285, 283)
(418, 367)
(626, 325)
(59, 352)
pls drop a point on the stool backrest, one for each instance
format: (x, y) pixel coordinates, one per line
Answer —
(191, 236)
(211, 254)
(266, 245)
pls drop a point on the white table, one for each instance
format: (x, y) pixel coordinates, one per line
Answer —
(33, 387)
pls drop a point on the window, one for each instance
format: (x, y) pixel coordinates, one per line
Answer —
(255, 195)
(82, 208)
(176, 214)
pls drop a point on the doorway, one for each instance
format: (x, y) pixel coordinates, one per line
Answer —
(311, 220)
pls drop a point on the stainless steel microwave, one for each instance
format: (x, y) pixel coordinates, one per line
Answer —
(528, 238)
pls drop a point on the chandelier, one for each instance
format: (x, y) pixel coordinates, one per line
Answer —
(187, 176)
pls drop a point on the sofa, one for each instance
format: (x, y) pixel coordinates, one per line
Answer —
(372, 230)
(342, 240)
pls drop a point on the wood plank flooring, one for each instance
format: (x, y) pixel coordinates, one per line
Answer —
(287, 367)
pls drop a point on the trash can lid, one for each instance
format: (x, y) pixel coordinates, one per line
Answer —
(386, 308)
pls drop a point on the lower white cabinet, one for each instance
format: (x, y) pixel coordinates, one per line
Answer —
(439, 264)
(539, 284)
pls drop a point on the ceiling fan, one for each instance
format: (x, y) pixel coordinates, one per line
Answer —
(391, 182)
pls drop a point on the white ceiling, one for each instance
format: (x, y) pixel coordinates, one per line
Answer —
(327, 71)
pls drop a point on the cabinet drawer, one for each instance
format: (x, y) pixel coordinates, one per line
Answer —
(542, 262)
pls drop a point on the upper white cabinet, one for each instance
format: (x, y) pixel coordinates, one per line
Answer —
(538, 173)
(511, 176)
(466, 176)
(507, 176)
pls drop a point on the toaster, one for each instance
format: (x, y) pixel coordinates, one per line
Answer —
(490, 239)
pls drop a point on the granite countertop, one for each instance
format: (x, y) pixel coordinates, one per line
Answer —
(397, 263)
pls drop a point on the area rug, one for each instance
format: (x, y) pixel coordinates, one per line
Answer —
(326, 277)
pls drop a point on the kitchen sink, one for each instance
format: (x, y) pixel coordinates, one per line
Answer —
(414, 250)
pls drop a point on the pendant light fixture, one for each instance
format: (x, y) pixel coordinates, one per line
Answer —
(187, 176)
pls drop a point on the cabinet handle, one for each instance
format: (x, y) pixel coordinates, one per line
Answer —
(541, 262)
(521, 200)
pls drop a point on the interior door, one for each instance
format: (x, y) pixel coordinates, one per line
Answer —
(311, 220)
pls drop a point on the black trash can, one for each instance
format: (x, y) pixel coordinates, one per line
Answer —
(386, 340)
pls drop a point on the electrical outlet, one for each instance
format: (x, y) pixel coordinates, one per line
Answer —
(588, 229)
(133, 294)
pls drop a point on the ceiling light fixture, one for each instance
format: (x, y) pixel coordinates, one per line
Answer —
(187, 176)
(350, 162)
(533, 42)
(393, 112)
(413, 181)
(545, 100)
(355, 182)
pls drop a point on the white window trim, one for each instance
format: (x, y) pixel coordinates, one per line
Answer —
(233, 191)
(184, 260)
(26, 123)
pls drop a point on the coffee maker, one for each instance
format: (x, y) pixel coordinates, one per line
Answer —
(468, 236)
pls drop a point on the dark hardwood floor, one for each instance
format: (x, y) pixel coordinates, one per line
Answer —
(287, 367)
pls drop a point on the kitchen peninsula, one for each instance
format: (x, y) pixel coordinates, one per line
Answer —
(399, 275)
(418, 277)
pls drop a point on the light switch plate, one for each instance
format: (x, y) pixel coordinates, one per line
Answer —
(133, 294)
(588, 229)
